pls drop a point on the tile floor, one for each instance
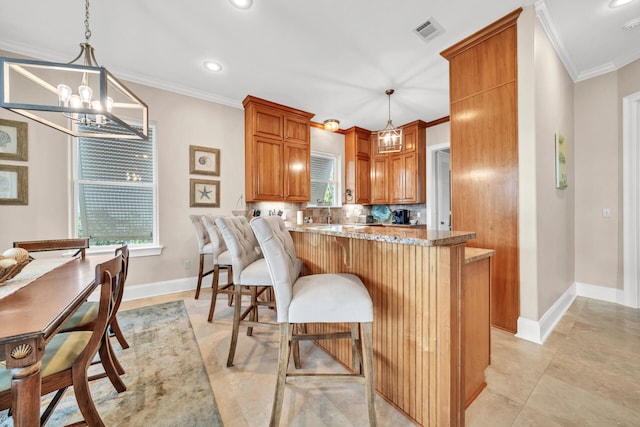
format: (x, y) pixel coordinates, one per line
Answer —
(586, 374)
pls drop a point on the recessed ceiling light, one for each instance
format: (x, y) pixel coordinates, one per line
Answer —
(212, 66)
(242, 4)
(618, 3)
(632, 25)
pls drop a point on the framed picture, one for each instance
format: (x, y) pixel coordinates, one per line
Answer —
(204, 160)
(13, 140)
(204, 193)
(561, 161)
(14, 189)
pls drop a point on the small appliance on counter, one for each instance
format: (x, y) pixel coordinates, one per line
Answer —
(400, 216)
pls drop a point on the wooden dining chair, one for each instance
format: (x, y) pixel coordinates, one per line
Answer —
(68, 355)
(315, 298)
(85, 317)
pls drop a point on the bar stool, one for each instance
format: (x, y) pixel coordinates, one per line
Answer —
(221, 260)
(249, 271)
(317, 298)
(204, 248)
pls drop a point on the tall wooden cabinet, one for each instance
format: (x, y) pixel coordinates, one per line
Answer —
(484, 154)
(407, 169)
(357, 162)
(277, 152)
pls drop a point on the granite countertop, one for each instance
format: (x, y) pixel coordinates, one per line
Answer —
(404, 235)
(476, 254)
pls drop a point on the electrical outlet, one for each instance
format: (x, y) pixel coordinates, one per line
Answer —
(606, 212)
(187, 264)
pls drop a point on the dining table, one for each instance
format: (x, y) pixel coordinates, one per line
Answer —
(30, 317)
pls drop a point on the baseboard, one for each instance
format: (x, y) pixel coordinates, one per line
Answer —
(539, 331)
(167, 287)
(601, 293)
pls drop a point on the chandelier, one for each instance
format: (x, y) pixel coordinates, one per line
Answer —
(44, 92)
(389, 138)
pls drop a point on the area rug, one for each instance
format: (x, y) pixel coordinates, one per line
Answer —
(167, 384)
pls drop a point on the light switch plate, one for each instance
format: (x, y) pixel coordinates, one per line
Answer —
(606, 212)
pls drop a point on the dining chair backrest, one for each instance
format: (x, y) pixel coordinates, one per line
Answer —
(273, 237)
(217, 242)
(240, 242)
(80, 244)
(107, 276)
(118, 291)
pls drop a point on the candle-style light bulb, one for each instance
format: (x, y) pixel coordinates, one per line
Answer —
(64, 93)
(109, 104)
(85, 94)
(75, 101)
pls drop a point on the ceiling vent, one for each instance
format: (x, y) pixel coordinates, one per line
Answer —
(429, 30)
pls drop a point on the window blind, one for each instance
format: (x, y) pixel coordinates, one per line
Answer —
(116, 189)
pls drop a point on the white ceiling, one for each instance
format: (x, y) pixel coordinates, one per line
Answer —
(334, 58)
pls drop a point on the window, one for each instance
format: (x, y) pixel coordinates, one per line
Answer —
(115, 190)
(325, 180)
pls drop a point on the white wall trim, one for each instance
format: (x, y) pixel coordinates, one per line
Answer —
(167, 287)
(539, 331)
(601, 293)
(631, 199)
(431, 182)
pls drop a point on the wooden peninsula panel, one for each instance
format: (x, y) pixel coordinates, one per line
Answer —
(416, 288)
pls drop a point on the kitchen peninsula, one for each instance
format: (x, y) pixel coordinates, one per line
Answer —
(415, 279)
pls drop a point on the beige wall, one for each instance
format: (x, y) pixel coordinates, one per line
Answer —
(597, 166)
(181, 121)
(598, 105)
(545, 106)
(554, 113)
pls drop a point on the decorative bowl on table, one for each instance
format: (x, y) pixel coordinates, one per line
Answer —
(12, 261)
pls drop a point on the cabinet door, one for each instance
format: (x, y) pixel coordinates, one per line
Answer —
(363, 144)
(396, 178)
(379, 179)
(363, 180)
(296, 129)
(410, 178)
(268, 122)
(267, 170)
(297, 181)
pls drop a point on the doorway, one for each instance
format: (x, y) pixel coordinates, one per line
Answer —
(439, 187)
(631, 198)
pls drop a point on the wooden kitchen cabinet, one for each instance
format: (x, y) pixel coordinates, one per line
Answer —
(407, 169)
(277, 152)
(357, 161)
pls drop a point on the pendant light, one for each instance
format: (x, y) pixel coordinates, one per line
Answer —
(44, 92)
(389, 138)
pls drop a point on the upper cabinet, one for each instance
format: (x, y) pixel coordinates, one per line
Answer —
(407, 169)
(379, 173)
(357, 153)
(277, 152)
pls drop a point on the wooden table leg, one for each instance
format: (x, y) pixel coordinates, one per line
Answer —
(24, 359)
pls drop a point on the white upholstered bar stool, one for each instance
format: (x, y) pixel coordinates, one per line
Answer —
(316, 298)
(204, 248)
(221, 260)
(249, 271)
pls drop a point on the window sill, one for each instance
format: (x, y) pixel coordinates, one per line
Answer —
(135, 251)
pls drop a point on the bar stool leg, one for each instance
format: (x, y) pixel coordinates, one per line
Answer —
(367, 362)
(214, 291)
(286, 330)
(236, 323)
(200, 275)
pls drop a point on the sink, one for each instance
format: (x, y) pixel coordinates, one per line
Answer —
(326, 227)
(337, 227)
